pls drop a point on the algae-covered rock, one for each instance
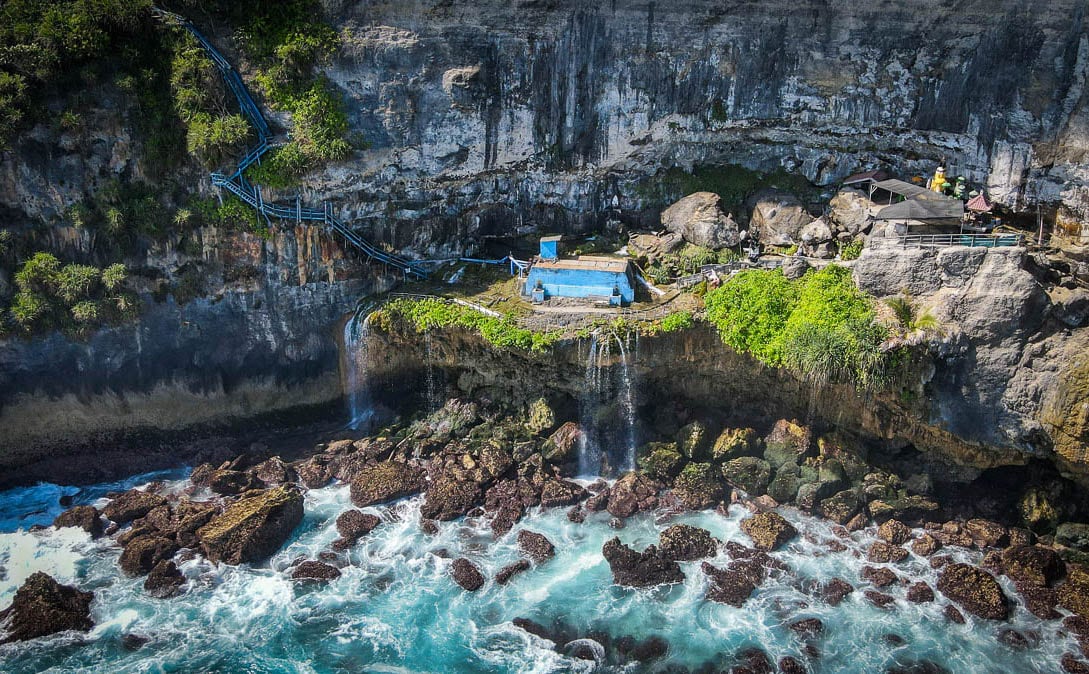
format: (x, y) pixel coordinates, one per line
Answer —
(143, 553)
(252, 528)
(769, 530)
(1038, 509)
(733, 443)
(450, 497)
(42, 606)
(686, 543)
(975, 590)
(385, 481)
(698, 487)
(748, 474)
(894, 532)
(1073, 535)
(661, 460)
(788, 442)
(909, 508)
(841, 506)
(562, 445)
(784, 487)
(540, 418)
(640, 569)
(632, 493)
(132, 505)
(693, 440)
(536, 546)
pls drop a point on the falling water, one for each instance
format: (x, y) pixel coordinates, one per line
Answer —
(607, 409)
(627, 405)
(356, 342)
(432, 389)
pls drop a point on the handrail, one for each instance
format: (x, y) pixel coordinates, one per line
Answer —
(236, 182)
(950, 240)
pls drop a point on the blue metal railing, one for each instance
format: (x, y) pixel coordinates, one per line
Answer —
(251, 194)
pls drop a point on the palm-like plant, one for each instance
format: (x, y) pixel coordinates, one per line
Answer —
(909, 317)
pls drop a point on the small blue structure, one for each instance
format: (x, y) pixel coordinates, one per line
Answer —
(550, 247)
(604, 279)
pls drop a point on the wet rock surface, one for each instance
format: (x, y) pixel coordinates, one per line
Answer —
(975, 590)
(768, 531)
(252, 528)
(640, 569)
(42, 606)
(466, 574)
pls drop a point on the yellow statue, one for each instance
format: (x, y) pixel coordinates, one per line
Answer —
(937, 183)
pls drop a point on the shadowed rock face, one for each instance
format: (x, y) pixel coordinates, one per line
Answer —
(43, 606)
(252, 528)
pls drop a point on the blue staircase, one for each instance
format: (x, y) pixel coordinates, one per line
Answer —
(236, 184)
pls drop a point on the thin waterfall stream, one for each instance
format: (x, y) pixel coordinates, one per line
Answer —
(356, 354)
(608, 407)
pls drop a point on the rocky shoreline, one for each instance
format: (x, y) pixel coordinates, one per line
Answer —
(468, 462)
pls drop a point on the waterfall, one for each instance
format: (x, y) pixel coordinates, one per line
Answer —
(432, 389)
(607, 408)
(356, 342)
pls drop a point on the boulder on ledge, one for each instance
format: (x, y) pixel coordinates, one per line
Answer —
(700, 221)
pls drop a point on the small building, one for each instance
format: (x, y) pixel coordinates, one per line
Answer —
(924, 213)
(591, 277)
(863, 181)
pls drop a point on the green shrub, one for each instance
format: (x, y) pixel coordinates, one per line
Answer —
(434, 313)
(71, 297)
(851, 251)
(821, 325)
(677, 321)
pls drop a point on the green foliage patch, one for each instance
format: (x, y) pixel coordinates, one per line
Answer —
(433, 313)
(821, 325)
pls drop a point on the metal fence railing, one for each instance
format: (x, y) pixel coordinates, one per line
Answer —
(949, 240)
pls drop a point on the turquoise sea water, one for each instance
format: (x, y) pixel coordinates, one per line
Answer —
(395, 608)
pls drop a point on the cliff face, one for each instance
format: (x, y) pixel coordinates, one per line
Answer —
(492, 116)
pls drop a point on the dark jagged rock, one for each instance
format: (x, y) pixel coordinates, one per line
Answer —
(807, 627)
(894, 532)
(142, 554)
(314, 472)
(748, 474)
(879, 599)
(1074, 593)
(1033, 565)
(841, 507)
(165, 580)
(640, 569)
(132, 505)
(450, 497)
(133, 642)
(274, 472)
(191, 517)
(835, 591)
(201, 474)
(650, 649)
(925, 545)
(536, 546)
(510, 571)
(880, 576)
(686, 543)
(756, 660)
(975, 590)
(985, 533)
(252, 528)
(82, 517)
(697, 487)
(883, 553)
(466, 574)
(42, 606)
(561, 493)
(1039, 601)
(314, 570)
(920, 593)
(1071, 664)
(1018, 640)
(632, 493)
(790, 665)
(729, 586)
(575, 515)
(353, 525)
(920, 667)
(384, 482)
(429, 527)
(233, 482)
(535, 628)
(953, 614)
(768, 531)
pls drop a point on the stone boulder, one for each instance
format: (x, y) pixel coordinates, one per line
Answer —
(835, 591)
(1073, 535)
(1031, 565)
(700, 220)
(164, 581)
(640, 569)
(849, 211)
(353, 525)
(142, 554)
(559, 493)
(466, 574)
(535, 546)
(728, 586)
(384, 482)
(778, 216)
(748, 474)
(632, 493)
(768, 531)
(504, 575)
(815, 238)
(733, 443)
(232, 482)
(975, 590)
(42, 606)
(685, 543)
(697, 486)
(82, 517)
(660, 460)
(132, 505)
(449, 497)
(562, 446)
(788, 442)
(252, 528)
(894, 532)
(315, 570)
(693, 441)
(920, 593)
